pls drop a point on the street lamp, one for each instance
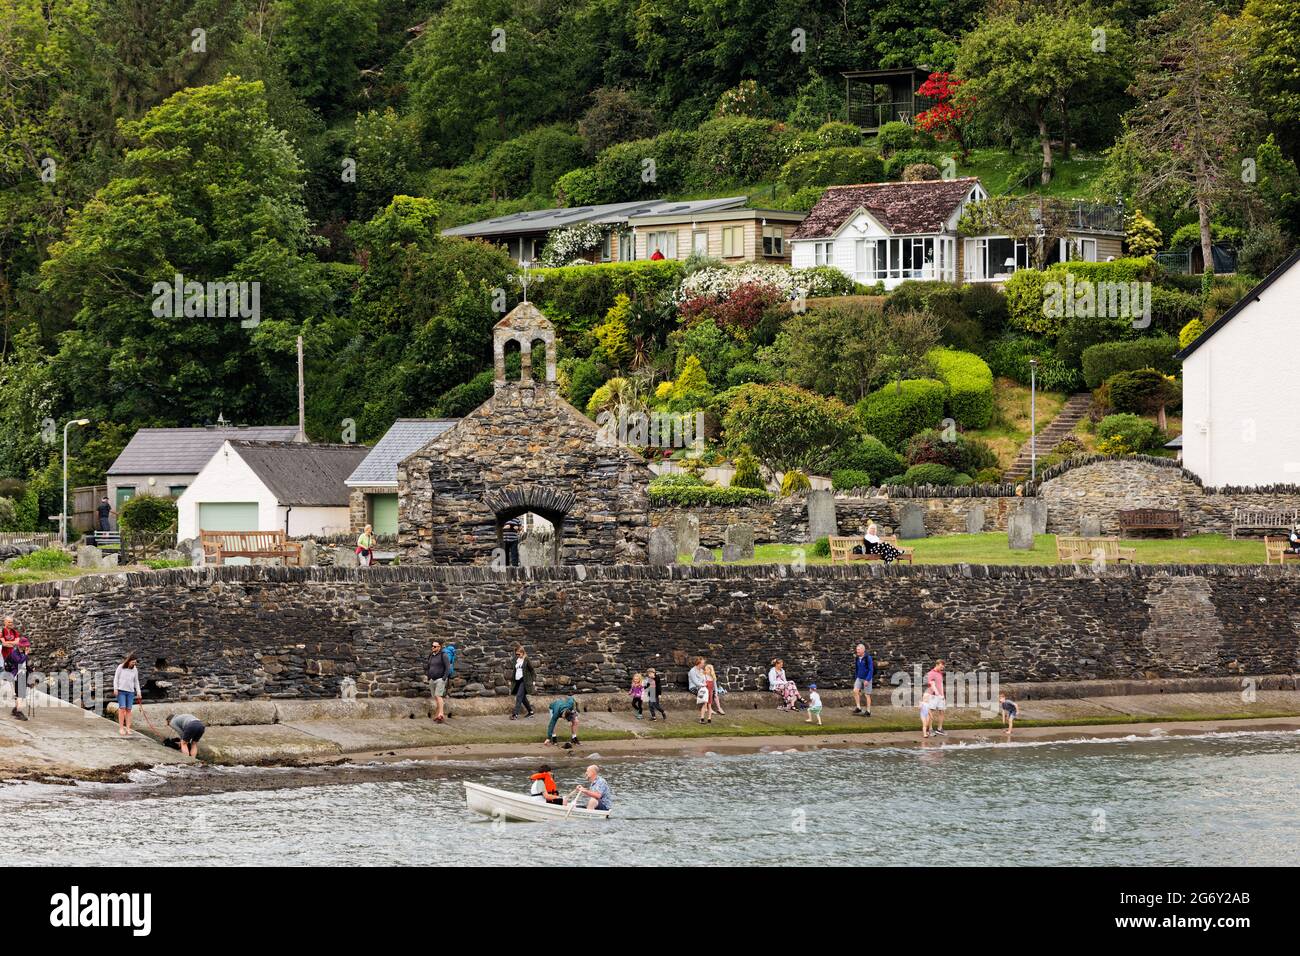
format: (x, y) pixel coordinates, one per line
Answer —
(1033, 420)
(63, 516)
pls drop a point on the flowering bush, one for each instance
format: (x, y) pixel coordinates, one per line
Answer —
(790, 283)
(567, 246)
(739, 312)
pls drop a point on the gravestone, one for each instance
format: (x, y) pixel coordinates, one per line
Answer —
(703, 556)
(348, 688)
(534, 550)
(1020, 531)
(821, 514)
(738, 543)
(975, 520)
(663, 549)
(345, 557)
(1090, 526)
(88, 556)
(308, 555)
(686, 531)
(912, 524)
(1036, 508)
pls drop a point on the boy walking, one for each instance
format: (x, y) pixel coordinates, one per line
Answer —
(652, 694)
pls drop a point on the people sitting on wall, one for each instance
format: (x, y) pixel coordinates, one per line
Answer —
(872, 543)
(783, 687)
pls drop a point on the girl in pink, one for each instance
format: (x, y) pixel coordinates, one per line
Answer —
(637, 693)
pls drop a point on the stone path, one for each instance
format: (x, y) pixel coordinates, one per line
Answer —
(1071, 413)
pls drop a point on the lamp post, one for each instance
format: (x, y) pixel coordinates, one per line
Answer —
(63, 515)
(1033, 420)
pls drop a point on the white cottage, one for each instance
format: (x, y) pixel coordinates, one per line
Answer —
(1241, 395)
(267, 486)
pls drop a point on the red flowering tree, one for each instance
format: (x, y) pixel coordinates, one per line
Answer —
(944, 119)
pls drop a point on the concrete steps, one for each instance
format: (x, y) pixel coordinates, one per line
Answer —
(1072, 412)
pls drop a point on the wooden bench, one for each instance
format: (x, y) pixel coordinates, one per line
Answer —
(219, 545)
(1151, 519)
(1072, 550)
(1275, 551)
(1245, 519)
(842, 549)
(108, 539)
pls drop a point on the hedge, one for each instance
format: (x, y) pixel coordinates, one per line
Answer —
(841, 165)
(705, 495)
(1136, 433)
(154, 514)
(589, 291)
(849, 479)
(868, 454)
(1102, 361)
(970, 386)
(895, 413)
(1024, 289)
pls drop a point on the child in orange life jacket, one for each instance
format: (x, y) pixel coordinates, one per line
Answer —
(544, 785)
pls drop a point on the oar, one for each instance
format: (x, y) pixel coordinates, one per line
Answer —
(573, 801)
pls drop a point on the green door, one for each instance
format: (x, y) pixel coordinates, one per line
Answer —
(124, 494)
(383, 513)
(228, 516)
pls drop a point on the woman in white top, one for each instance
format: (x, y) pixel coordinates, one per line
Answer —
(873, 544)
(126, 684)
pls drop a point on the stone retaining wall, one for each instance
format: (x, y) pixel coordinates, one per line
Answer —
(265, 633)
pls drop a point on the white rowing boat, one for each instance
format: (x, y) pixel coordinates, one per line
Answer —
(519, 807)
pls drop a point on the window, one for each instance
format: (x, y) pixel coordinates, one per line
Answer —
(733, 242)
(608, 248)
(175, 491)
(1087, 250)
(662, 242)
(773, 241)
(700, 242)
(823, 253)
(626, 247)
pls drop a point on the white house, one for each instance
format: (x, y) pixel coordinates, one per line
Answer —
(264, 486)
(1241, 394)
(896, 231)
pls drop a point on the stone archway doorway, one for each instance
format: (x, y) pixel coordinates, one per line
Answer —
(553, 506)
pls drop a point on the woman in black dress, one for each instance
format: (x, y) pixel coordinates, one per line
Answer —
(1293, 540)
(872, 543)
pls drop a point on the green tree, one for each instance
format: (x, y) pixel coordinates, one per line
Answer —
(323, 44)
(834, 350)
(787, 427)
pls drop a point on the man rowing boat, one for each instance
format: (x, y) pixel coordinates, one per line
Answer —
(597, 794)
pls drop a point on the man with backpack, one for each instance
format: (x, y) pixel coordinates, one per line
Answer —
(864, 671)
(439, 668)
(16, 649)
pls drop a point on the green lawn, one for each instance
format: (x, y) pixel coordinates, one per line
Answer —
(1073, 178)
(1009, 429)
(991, 548)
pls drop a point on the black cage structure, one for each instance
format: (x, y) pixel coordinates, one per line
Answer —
(877, 97)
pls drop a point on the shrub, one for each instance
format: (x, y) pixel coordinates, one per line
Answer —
(960, 479)
(836, 133)
(928, 474)
(1172, 309)
(614, 116)
(149, 514)
(1190, 332)
(895, 165)
(744, 372)
(821, 548)
(738, 312)
(870, 455)
(159, 564)
(1102, 361)
(847, 479)
(459, 401)
(1082, 332)
(893, 136)
(583, 378)
(957, 452)
(1265, 248)
(699, 493)
(747, 474)
(840, 165)
(1009, 357)
(1188, 236)
(46, 559)
(920, 172)
(1025, 290)
(897, 411)
(988, 476)
(8, 515)
(746, 98)
(1143, 390)
(986, 304)
(970, 386)
(589, 291)
(1133, 432)
(794, 481)
(733, 150)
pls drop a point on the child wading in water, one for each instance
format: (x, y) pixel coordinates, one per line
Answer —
(652, 694)
(814, 705)
(637, 693)
(1009, 711)
(925, 714)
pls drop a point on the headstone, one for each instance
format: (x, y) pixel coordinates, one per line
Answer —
(345, 557)
(108, 561)
(975, 520)
(663, 549)
(821, 514)
(308, 554)
(88, 556)
(1036, 508)
(912, 524)
(534, 550)
(703, 555)
(738, 543)
(348, 688)
(1090, 526)
(1020, 531)
(686, 532)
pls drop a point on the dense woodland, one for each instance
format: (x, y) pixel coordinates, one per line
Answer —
(317, 147)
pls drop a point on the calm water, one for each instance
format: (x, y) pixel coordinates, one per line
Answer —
(1216, 799)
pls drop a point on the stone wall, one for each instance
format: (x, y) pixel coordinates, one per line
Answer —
(252, 632)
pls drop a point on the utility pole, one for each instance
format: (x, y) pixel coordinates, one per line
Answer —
(302, 398)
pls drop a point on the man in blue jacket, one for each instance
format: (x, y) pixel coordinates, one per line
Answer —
(864, 670)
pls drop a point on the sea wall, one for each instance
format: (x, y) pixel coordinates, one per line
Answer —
(265, 632)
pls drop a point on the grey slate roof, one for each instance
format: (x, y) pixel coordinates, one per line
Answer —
(407, 435)
(544, 220)
(302, 473)
(184, 451)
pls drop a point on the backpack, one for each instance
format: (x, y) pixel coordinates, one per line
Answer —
(15, 660)
(450, 651)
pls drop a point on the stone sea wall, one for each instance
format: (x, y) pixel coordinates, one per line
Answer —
(264, 632)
